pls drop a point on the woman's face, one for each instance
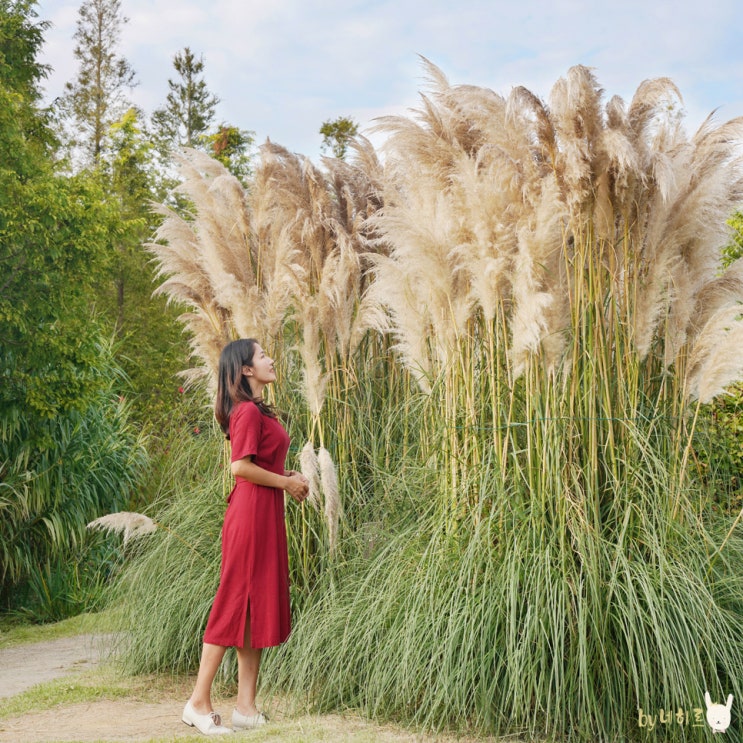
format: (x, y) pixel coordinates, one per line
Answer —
(262, 371)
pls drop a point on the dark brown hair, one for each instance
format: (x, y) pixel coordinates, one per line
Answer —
(232, 385)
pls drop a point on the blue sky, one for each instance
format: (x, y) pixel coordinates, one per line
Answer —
(282, 67)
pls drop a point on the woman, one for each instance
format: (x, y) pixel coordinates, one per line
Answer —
(251, 608)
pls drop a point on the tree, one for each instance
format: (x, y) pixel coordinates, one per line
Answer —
(337, 134)
(127, 179)
(152, 348)
(189, 107)
(96, 98)
(67, 451)
(185, 119)
(20, 41)
(149, 345)
(52, 229)
(231, 146)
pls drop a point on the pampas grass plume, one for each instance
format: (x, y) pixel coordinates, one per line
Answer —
(309, 467)
(129, 523)
(331, 491)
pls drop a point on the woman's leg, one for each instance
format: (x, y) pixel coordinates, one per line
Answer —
(248, 663)
(211, 657)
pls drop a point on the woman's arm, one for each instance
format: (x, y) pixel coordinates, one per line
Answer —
(293, 483)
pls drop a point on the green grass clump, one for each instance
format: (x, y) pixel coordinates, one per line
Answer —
(164, 593)
(65, 691)
(57, 475)
(14, 631)
(505, 628)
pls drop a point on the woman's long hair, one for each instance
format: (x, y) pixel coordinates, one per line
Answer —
(232, 385)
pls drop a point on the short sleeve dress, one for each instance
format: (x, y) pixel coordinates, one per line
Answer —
(254, 577)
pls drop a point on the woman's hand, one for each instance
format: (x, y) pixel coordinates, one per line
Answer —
(297, 486)
(294, 483)
(293, 473)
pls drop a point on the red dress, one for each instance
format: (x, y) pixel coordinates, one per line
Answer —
(254, 576)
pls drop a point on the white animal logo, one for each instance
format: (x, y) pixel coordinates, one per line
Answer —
(718, 715)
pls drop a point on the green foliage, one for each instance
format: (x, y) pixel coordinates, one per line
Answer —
(67, 451)
(719, 450)
(21, 38)
(720, 446)
(189, 106)
(96, 98)
(53, 232)
(231, 146)
(71, 583)
(337, 134)
(734, 249)
(151, 347)
(57, 475)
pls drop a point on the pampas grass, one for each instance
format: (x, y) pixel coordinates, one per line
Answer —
(332, 496)
(128, 523)
(487, 633)
(319, 468)
(166, 589)
(310, 469)
(515, 312)
(654, 202)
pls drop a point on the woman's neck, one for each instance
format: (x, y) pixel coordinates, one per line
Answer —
(256, 390)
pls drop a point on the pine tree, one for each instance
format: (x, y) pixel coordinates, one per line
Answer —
(96, 98)
(189, 107)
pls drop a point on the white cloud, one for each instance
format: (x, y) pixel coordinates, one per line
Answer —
(283, 67)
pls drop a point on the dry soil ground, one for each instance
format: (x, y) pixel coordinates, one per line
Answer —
(25, 666)
(149, 713)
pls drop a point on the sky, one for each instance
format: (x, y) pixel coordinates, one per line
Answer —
(283, 67)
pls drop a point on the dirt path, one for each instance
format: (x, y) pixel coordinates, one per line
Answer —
(145, 717)
(24, 666)
(103, 721)
(149, 711)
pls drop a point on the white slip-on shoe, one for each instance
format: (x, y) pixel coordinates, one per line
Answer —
(246, 722)
(209, 724)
